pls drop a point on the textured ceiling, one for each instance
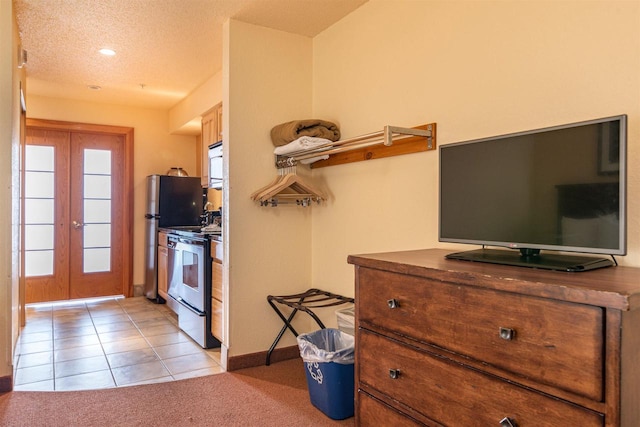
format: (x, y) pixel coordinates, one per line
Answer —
(164, 48)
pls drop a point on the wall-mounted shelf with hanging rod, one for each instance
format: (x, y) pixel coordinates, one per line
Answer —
(391, 141)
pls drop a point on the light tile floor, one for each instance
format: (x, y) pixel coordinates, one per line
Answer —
(106, 343)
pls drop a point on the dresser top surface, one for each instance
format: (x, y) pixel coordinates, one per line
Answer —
(611, 287)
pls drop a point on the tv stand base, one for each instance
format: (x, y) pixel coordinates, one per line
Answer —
(571, 263)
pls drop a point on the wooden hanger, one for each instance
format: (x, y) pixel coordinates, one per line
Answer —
(256, 194)
(284, 185)
(261, 194)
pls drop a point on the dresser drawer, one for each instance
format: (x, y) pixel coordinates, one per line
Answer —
(552, 342)
(371, 412)
(425, 381)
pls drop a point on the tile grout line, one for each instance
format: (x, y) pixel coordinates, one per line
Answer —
(53, 346)
(150, 345)
(53, 349)
(20, 353)
(104, 353)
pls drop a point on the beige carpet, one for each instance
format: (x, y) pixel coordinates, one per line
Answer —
(273, 395)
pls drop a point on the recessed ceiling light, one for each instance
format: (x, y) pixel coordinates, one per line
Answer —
(94, 87)
(107, 52)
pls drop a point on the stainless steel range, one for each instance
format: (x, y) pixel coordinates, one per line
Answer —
(189, 265)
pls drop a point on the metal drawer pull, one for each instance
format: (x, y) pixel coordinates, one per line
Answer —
(393, 303)
(506, 422)
(394, 373)
(507, 334)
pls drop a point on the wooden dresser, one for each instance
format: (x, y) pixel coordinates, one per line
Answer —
(453, 343)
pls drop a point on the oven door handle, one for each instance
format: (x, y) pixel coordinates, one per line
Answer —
(191, 242)
(186, 305)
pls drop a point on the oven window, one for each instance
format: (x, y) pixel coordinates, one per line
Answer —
(190, 269)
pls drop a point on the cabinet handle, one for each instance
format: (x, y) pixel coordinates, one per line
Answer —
(394, 373)
(507, 422)
(507, 334)
(393, 303)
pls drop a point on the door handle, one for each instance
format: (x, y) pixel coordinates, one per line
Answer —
(77, 224)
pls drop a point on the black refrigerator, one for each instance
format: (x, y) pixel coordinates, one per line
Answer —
(171, 201)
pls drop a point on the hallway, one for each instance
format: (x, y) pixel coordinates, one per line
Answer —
(112, 342)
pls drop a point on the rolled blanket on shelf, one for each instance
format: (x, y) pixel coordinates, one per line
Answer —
(301, 144)
(286, 132)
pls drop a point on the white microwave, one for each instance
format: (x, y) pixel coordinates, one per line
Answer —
(215, 165)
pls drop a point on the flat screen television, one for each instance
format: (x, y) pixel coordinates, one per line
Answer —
(559, 189)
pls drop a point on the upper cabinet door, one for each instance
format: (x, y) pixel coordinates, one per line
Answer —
(219, 123)
(211, 133)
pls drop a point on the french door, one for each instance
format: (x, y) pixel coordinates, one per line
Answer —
(75, 244)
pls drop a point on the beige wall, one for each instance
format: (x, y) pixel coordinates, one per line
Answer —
(155, 150)
(266, 80)
(476, 68)
(10, 80)
(185, 117)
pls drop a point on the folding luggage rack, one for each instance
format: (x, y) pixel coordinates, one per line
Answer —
(312, 298)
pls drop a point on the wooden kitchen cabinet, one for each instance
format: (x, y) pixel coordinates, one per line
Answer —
(163, 257)
(217, 307)
(211, 133)
(455, 343)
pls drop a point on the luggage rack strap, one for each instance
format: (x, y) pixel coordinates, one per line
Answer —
(305, 301)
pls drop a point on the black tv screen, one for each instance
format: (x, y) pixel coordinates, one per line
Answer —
(560, 188)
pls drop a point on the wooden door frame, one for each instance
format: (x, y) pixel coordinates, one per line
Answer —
(127, 196)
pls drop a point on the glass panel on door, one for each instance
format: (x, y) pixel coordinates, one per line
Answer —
(97, 211)
(39, 210)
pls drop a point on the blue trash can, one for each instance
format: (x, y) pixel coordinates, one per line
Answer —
(328, 356)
